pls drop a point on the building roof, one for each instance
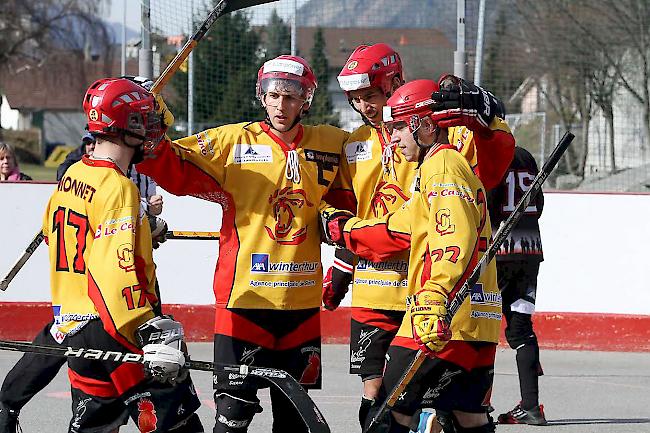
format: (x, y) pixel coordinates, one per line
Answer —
(57, 84)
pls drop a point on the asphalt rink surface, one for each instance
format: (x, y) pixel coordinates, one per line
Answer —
(586, 392)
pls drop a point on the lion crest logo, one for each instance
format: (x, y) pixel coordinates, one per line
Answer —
(284, 203)
(385, 194)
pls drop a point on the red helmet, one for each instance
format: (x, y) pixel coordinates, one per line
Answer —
(371, 66)
(410, 103)
(118, 105)
(289, 74)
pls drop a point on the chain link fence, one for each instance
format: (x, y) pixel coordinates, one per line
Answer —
(557, 65)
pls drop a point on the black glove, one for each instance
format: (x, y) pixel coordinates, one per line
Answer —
(145, 82)
(461, 103)
(332, 223)
(158, 231)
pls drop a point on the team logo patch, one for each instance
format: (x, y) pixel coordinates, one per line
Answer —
(285, 204)
(358, 151)
(443, 222)
(126, 257)
(353, 64)
(387, 197)
(147, 418)
(252, 154)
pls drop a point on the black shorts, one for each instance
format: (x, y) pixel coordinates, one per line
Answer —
(286, 340)
(371, 332)
(438, 383)
(518, 285)
(106, 393)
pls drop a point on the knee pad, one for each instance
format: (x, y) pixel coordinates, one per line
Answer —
(486, 428)
(520, 330)
(364, 409)
(234, 413)
(446, 421)
(190, 425)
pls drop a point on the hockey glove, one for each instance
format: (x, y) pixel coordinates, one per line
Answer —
(337, 280)
(332, 223)
(158, 231)
(461, 103)
(161, 339)
(165, 115)
(430, 329)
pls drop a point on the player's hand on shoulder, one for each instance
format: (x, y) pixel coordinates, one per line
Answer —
(461, 103)
(332, 223)
(162, 341)
(430, 328)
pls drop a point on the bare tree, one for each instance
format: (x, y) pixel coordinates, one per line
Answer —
(623, 26)
(33, 30)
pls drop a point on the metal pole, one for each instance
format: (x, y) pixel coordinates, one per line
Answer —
(543, 143)
(459, 54)
(478, 65)
(190, 79)
(293, 28)
(145, 55)
(123, 65)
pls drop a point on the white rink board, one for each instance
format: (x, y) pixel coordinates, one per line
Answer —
(595, 247)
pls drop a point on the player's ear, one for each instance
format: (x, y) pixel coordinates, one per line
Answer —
(428, 125)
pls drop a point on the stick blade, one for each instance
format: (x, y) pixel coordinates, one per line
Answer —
(242, 4)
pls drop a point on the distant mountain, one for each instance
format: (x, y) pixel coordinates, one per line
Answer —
(438, 14)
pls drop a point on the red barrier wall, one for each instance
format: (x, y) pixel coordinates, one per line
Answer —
(570, 331)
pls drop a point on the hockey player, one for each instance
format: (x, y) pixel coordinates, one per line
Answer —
(517, 269)
(269, 177)
(103, 277)
(445, 222)
(376, 179)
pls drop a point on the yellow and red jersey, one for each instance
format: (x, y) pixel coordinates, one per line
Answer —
(100, 252)
(379, 179)
(488, 154)
(447, 226)
(269, 249)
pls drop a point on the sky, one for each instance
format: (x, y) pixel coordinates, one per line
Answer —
(174, 21)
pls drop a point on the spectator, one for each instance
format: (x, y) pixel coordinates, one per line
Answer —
(9, 170)
(86, 148)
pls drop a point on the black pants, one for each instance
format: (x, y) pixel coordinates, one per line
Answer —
(31, 374)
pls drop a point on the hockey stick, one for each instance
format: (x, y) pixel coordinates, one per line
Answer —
(279, 379)
(38, 238)
(33, 245)
(207, 236)
(222, 8)
(502, 233)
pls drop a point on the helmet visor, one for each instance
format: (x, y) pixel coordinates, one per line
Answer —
(285, 87)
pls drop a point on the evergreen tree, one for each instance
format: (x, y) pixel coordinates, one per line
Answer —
(225, 72)
(278, 37)
(498, 74)
(321, 110)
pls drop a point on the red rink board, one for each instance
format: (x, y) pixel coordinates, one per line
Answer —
(569, 331)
